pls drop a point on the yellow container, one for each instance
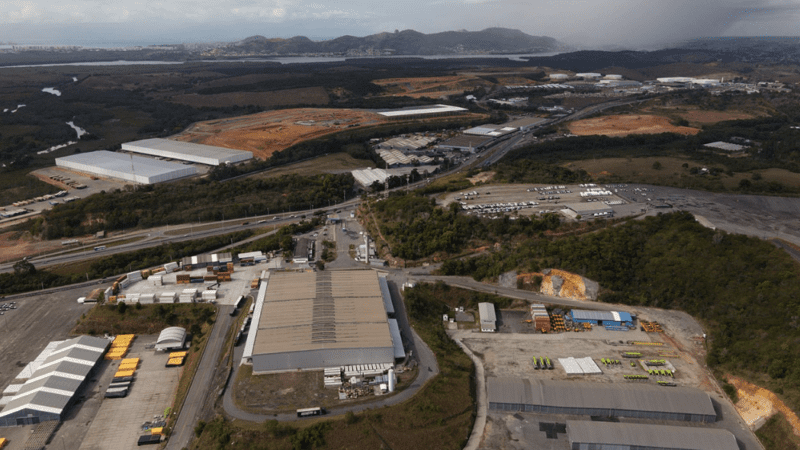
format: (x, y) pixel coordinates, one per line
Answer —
(177, 355)
(130, 361)
(175, 361)
(124, 373)
(159, 430)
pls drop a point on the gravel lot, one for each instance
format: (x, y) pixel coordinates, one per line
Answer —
(508, 353)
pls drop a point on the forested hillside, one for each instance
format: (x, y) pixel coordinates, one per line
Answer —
(745, 290)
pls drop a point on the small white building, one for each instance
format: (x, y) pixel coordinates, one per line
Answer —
(172, 338)
(488, 317)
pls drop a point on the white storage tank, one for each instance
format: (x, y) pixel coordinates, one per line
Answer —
(392, 380)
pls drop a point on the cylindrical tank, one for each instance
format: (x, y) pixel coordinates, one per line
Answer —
(392, 380)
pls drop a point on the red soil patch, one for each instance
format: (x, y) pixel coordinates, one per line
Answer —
(268, 132)
(627, 124)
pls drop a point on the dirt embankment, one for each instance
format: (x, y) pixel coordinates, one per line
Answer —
(757, 404)
(624, 125)
(268, 132)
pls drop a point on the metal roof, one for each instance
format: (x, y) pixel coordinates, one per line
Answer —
(435, 109)
(486, 311)
(647, 436)
(725, 146)
(397, 340)
(187, 151)
(125, 167)
(171, 335)
(616, 316)
(385, 294)
(62, 372)
(566, 394)
(306, 311)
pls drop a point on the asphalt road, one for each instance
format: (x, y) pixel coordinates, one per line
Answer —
(183, 431)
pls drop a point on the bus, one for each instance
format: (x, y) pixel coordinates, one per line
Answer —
(99, 247)
(307, 412)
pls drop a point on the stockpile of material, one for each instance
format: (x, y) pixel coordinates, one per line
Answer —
(123, 379)
(176, 359)
(119, 347)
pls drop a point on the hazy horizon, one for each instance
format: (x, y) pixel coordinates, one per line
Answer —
(586, 24)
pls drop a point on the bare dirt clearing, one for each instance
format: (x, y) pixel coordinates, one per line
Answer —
(429, 86)
(757, 404)
(624, 125)
(268, 132)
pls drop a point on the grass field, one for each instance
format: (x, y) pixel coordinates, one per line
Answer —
(672, 173)
(144, 319)
(335, 163)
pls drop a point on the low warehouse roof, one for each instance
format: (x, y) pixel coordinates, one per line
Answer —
(625, 435)
(172, 337)
(573, 394)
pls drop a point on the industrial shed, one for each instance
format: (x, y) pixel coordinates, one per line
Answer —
(125, 167)
(465, 143)
(589, 209)
(488, 317)
(584, 435)
(604, 318)
(172, 338)
(426, 111)
(50, 389)
(600, 399)
(188, 151)
(314, 320)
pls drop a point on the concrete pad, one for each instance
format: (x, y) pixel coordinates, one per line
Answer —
(118, 423)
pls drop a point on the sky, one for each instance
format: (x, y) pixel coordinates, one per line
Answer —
(583, 23)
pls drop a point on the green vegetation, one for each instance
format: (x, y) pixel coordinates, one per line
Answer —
(188, 201)
(778, 433)
(27, 278)
(440, 416)
(743, 289)
(120, 318)
(17, 185)
(416, 228)
(774, 146)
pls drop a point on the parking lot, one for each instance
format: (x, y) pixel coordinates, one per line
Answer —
(533, 199)
(118, 423)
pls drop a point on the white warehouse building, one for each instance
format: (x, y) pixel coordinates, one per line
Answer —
(125, 167)
(188, 151)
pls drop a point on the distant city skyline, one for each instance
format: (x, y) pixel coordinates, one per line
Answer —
(584, 24)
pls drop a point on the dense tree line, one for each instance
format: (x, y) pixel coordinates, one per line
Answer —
(28, 278)
(416, 228)
(190, 201)
(745, 290)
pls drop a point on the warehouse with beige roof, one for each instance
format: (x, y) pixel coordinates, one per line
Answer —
(316, 320)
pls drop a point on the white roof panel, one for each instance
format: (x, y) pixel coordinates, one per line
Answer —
(435, 109)
(125, 167)
(187, 151)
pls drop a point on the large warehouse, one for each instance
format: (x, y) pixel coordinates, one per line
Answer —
(314, 320)
(599, 399)
(419, 112)
(51, 387)
(125, 167)
(586, 435)
(188, 151)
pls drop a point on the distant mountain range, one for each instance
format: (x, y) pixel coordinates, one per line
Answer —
(407, 42)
